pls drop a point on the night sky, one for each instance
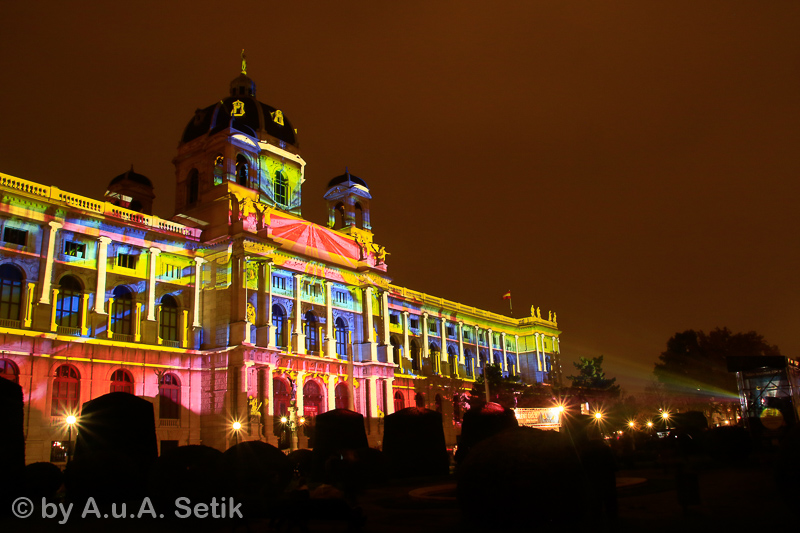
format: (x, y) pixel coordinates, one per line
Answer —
(632, 166)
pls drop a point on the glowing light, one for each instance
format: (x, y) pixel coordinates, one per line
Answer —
(71, 419)
(284, 420)
(665, 415)
(649, 423)
(237, 426)
(302, 420)
(631, 424)
(598, 415)
(560, 408)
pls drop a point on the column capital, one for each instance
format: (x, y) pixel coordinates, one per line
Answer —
(503, 334)
(154, 250)
(461, 323)
(516, 336)
(199, 260)
(425, 316)
(298, 275)
(405, 313)
(535, 334)
(55, 225)
(104, 240)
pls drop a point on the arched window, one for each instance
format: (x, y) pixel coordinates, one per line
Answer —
(341, 338)
(342, 396)
(9, 371)
(311, 332)
(468, 362)
(280, 188)
(168, 328)
(10, 292)
(397, 349)
(122, 311)
(122, 381)
(241, 170)
(339, 216)
(281, 397)
(511, 365)
(169, 392)
(359, 216)
(312, 399)
(438, 401)
(452, 360)
(415, 362)
(66, 391)
(433, 352)
(419, 400)
(68, 306)
(279, 323)
(192, 187)
(399, 402)
(481, 362)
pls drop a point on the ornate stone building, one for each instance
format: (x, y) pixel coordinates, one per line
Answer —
(235, 307)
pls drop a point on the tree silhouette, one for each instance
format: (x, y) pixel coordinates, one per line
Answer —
(591, 383)
(694, 365)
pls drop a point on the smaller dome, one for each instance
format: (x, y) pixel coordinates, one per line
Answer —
(347, 177)
(132, 176)
(243, 85)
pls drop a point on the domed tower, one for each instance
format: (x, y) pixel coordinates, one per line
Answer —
(238, 147)
(348, 203)
(131, 191)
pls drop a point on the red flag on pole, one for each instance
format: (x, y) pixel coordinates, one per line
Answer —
(507, 296)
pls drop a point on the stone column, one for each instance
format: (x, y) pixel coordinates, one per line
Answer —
(443, 357)
(406, 355)
(53, 311)
(538, 355)
(516, 350)
(385, 311)
(84, 314)
(330, 342)
(490, 346)
(426, 356)
(269, 391)
(137, 322)
(48, 266)
(368, 314)
(102, 264)
(477, 347)
(373, 397)
(300, 338)
(29, 295)
(389, 395)
(505, 355)
(151, 284)
(299, 403)
(198, 262)
(461, 342)
(109, 333)
(332, 392)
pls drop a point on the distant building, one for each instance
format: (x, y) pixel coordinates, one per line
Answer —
(237, 304)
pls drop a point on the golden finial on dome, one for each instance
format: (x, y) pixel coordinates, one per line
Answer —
(244, 63)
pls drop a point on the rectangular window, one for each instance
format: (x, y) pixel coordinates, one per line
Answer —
(394, 319)
(126, 260)
(279, 282)
(75, 249)
(172, 271)
(15, 236)
(451, 331)
(414, 323)
(341, 297)
(431, 327)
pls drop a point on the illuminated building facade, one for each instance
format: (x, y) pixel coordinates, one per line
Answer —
(237, 306)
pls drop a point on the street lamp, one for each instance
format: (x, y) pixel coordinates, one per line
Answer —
(237, 426)
(71, 420)
(632, 424)
(665, 417)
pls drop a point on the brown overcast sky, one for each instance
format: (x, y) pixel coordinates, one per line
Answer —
(631, 165)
